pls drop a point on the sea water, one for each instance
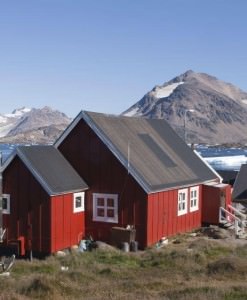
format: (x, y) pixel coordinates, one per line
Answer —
(6, 150)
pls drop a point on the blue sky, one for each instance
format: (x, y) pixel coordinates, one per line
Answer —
(104, 55)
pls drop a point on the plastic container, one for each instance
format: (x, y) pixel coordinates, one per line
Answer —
(134, 246)
(125, 247)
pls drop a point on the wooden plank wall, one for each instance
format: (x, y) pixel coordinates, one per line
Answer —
(163, 220)
(29, 207)
(67, 228)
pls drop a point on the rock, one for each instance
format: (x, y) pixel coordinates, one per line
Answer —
(103, 246)
(216, 232)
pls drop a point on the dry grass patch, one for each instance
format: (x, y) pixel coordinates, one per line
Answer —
(194, 268)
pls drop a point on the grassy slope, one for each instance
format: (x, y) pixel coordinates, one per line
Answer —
(197, 268)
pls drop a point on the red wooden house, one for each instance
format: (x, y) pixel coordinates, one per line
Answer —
(43, 201)
(139, 173)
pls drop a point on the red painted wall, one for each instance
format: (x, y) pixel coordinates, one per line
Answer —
(67, 228)
(45, 224)
(29, 218)
(162, 219)
(212, 202)
(105, 174)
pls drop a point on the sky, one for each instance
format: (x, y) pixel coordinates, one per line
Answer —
(104, 55)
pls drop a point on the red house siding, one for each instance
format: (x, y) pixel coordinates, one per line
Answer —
(67, 228)
(29, 218)
(212, 202)
(103, 173)
(44, 223)
(163, 219)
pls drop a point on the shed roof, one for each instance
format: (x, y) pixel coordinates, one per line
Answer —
(50, 168)
(240, 185)
(149, 149)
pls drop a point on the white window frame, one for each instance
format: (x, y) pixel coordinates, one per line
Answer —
(82, 206)
(7, 210)
(105, 218)
(182, 202)
(194, 198)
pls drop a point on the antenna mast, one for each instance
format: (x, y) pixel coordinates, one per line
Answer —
(128, 156)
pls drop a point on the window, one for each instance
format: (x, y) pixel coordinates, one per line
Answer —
(6, 203)
(182, 201)
(194, 198)
(105, 208)
(78, 203)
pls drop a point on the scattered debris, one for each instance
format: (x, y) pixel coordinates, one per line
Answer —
(162, 242)
(61, 253)
(193, 234)
(6, 264)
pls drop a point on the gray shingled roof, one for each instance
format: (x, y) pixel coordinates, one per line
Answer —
(240, 185)
(157, 157)
(51, 169)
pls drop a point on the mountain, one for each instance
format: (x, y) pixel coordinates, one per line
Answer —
(198, 106)
(27, 125)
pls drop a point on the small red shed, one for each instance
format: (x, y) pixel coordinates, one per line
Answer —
(140, 173)
(43, 201)
(215, 196)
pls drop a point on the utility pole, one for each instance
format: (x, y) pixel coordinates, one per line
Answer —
(185, 120)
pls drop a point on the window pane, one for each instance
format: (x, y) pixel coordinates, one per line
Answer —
(100, 202)
(110, 213)
(191, 203)
(5, 203)
(100, 212)
(105, 207)
(110, 202)
(78, 202)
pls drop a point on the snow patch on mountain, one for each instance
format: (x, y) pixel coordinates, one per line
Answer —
(132, 112)
(166, 91)
(3, 119)
(4, 130)
(18, 112)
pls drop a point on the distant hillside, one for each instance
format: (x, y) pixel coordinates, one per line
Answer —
(26, 125)
(219, 108)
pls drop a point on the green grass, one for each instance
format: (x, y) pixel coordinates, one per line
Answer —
(192, 269)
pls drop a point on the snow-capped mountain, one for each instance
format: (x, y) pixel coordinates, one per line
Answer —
(27, 125)
(8, 121)
(207, 109)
